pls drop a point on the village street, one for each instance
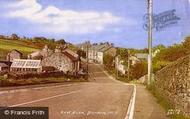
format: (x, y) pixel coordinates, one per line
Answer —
(101, 98)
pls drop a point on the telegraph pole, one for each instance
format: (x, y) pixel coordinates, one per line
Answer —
(116, 63)
(87, 58)
(128, 64)
(150, 21)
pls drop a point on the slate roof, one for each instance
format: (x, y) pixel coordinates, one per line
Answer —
(73, 58)
(3, 65)
(97, 47)
(105, 48)
(16, 51)
(71, 52)
(6, 62)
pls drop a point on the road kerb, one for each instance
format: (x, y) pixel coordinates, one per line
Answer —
(131, 107)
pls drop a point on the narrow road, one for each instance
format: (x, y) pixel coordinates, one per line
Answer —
(101, 98)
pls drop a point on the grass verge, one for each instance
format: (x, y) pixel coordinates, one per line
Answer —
(36, 81)
(113, 73)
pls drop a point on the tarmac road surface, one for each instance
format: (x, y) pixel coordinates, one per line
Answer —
(101, 98)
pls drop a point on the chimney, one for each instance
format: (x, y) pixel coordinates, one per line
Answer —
(29, 56)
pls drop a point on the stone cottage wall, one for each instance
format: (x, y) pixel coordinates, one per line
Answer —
(58, 61)
(173, 81)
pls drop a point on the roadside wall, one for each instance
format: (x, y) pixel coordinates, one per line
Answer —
(173, 81)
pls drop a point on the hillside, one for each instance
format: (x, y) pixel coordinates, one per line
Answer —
(22, 45)
(27, 46)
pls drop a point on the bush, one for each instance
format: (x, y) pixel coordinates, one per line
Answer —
(13, 75)
(159, 65)
(108, 60)
(139, 70)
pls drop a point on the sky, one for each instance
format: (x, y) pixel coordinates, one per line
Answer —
(118, 21)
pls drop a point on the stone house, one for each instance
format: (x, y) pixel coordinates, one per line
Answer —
(71, 52)
(91, 55)
(96, 52)
(26, 65)
(93, 52)
(84, 46)
(41, 53)
(134, 60)
(121, 67)
(14, 54)
(63, 61)
(4, 67)
(107, 49)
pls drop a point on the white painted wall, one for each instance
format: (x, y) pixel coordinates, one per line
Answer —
(100, 57)
(119, 66)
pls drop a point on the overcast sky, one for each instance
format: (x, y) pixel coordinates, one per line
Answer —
(118, 21)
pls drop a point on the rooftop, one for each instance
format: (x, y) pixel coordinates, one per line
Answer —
(25, 63)
(101, 47)
(16, 51)
(105, 48)
(73, 58)
(71, 52)
(3, 65)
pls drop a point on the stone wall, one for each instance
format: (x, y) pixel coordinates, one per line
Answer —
(173, 81)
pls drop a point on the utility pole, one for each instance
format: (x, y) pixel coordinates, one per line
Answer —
(116, 67)
(87, 58)
(128, 64)
(150, 21)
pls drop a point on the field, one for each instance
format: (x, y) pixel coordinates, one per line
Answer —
(17, 44)
(23, 46)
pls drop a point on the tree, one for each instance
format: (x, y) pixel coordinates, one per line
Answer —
(139, 70)
(108, 60)
(14, 37)
(51, 45)
(40, 38)
(172, 53)
(101, 43)
(52, 40)
(160, 47)
(186, 43)
(169, 54)
(95, 44)
(61, 42)
(123, 52)
(81, 53)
